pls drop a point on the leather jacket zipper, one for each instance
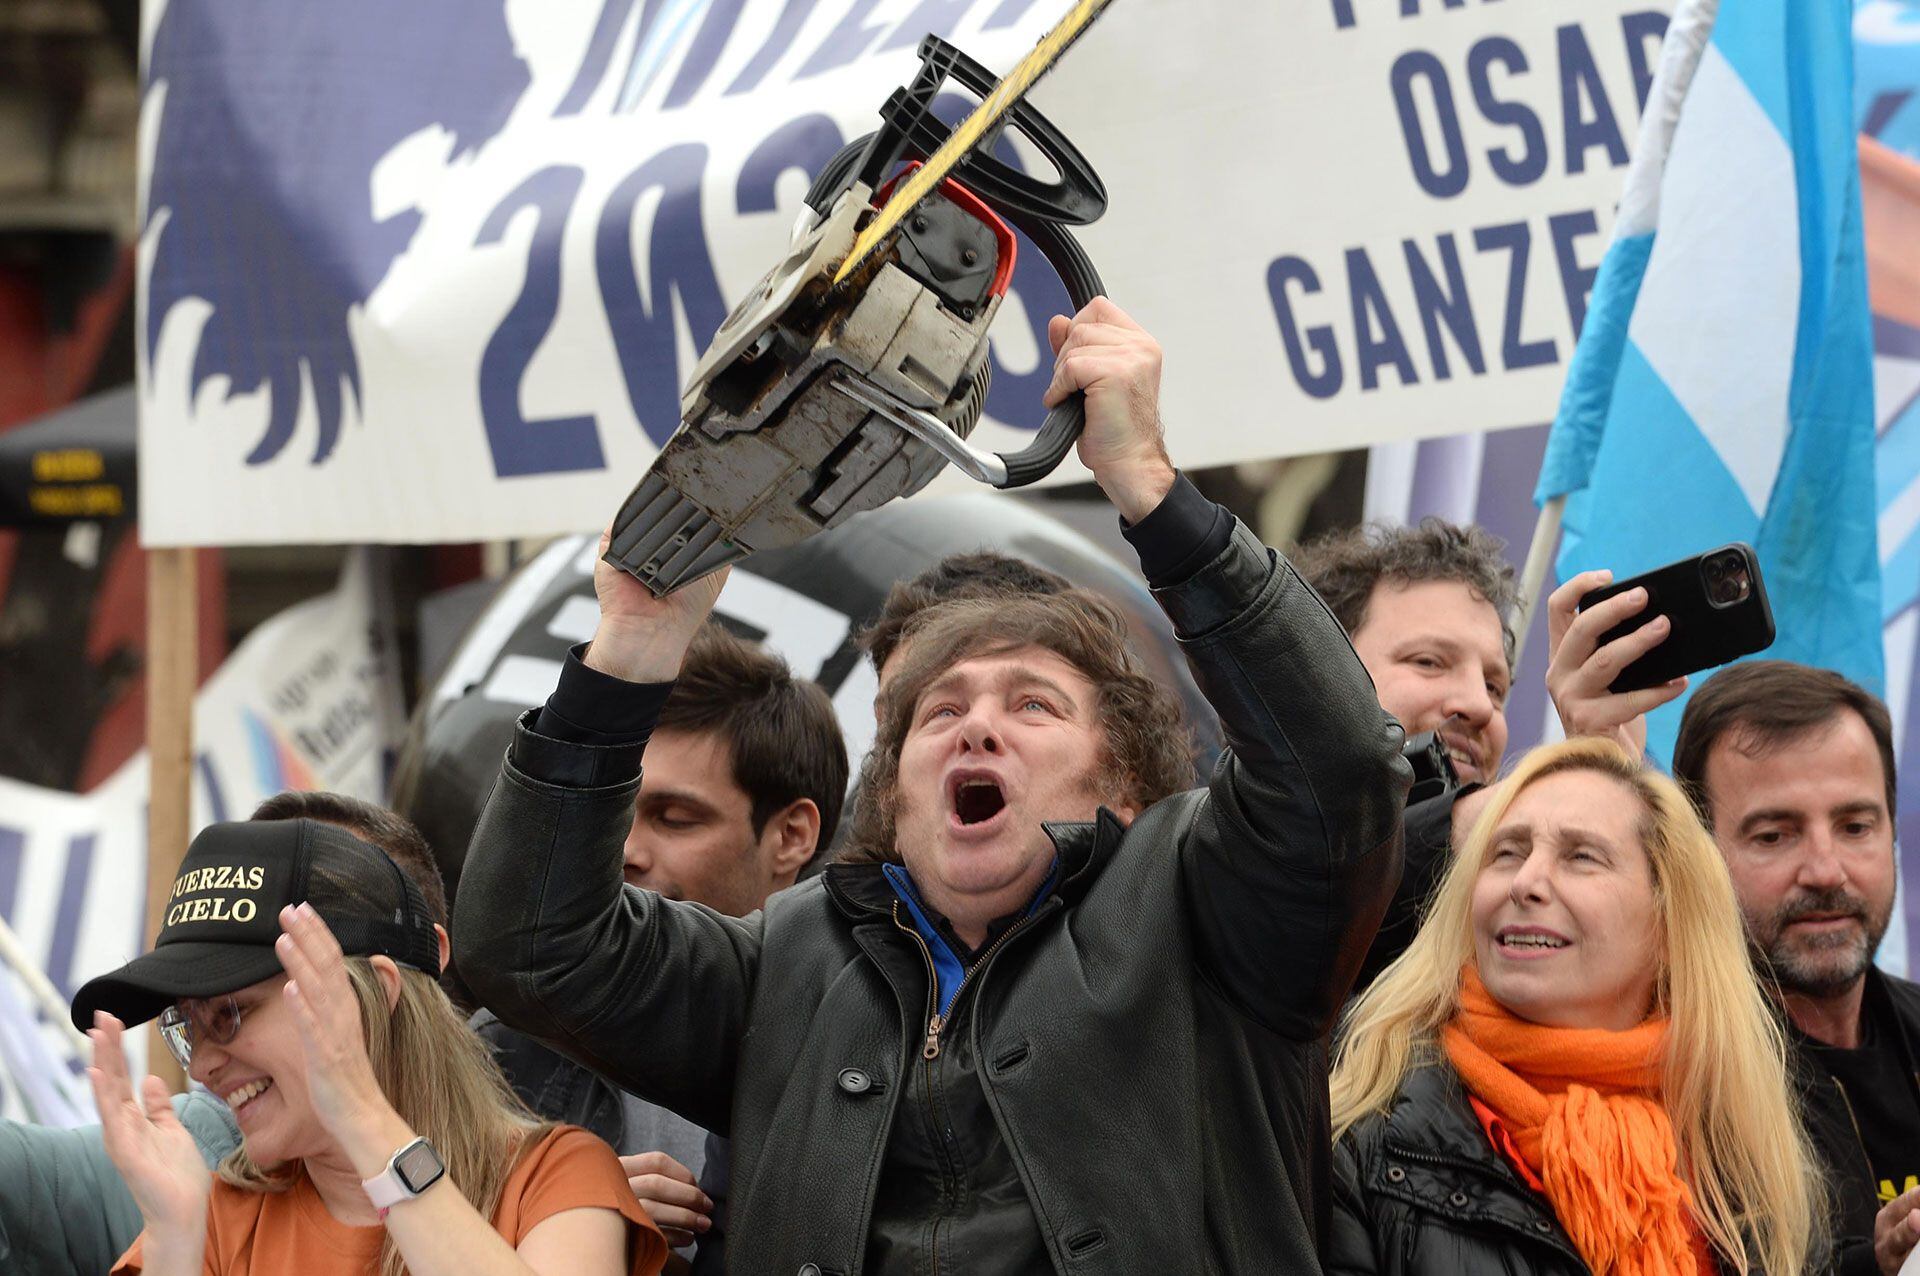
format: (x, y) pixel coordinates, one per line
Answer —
(936, 1021)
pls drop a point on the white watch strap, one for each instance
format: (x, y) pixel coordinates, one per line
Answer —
(385, 1189)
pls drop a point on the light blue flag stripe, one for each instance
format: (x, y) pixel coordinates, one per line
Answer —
(1587, 398)
(1645, 484)
(1818, 539)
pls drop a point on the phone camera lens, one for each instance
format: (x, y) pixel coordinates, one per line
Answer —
(1727, 579)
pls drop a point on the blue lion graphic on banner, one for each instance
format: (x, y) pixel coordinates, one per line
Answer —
(261, 202)
(260, 178)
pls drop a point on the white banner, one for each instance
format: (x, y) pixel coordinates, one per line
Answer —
(311, 700)
(438, 270)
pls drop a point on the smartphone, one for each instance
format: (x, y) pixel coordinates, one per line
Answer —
(1717, 604)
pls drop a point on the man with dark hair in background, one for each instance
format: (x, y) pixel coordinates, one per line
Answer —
(743, 781)
(745, 773)
(1430, 611)
(1792, 769)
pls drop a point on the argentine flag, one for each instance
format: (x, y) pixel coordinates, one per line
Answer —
(1722, 388)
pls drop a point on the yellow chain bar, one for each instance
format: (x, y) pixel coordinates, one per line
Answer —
(1012, 87)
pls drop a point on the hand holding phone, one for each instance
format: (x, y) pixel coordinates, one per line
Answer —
(1581, 669)
(1716, 608)
(1620, 649)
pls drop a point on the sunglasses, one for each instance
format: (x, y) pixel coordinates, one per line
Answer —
(185, 1024)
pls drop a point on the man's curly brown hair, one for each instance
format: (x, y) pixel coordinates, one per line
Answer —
(1148, 750)
(1344, 567)
(984, 573)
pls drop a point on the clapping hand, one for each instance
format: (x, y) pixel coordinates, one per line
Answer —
(154, 1153)
(345, 1094)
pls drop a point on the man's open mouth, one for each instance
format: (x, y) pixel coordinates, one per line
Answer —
(977, 800)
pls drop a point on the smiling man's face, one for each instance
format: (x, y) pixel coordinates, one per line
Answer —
(1808, 840)
(996, 747)
(1437, 655)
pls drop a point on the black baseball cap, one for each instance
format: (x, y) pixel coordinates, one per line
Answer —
(223, 915)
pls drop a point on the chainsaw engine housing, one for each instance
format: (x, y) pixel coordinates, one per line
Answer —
(776, 448)
(844, 379)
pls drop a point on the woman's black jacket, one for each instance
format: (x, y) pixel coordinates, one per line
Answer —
(1421, 1192)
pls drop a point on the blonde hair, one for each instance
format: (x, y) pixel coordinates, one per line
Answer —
(441, 1079)
(1725, 1085)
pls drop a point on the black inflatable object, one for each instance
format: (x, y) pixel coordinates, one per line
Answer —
(807, 602)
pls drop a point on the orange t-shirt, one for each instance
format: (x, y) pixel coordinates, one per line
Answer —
(284, 1233)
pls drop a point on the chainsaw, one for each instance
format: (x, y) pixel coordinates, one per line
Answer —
(857, 367)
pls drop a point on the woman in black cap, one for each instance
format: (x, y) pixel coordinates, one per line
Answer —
(295, 977)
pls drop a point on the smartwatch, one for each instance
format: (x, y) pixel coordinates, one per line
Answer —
(410, 1171)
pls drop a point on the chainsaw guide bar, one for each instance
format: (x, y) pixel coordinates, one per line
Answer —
(971, 131)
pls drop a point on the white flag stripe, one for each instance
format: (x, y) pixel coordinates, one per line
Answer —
(1720, 331)
(1680, 52)
(1898, 521)
(1896, 383)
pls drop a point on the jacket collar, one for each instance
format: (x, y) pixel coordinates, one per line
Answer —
(1432, 1116)
(1876, 1004)
(863, 894)
(1432, 1124)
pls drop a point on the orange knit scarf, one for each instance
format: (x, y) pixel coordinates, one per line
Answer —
(1583, 1110)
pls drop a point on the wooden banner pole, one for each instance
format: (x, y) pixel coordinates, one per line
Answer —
(173, 668)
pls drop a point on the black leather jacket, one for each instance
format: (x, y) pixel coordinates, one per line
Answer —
(1152, 1046)
(1428, 834)
(1421, 1192)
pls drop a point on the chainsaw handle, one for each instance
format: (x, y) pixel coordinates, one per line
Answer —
(1050, 446)
(1061, 430)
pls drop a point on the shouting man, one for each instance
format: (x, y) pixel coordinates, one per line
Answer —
(1049, 1010)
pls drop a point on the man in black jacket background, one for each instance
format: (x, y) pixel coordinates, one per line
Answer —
(1793, 770)
(1077, 1024)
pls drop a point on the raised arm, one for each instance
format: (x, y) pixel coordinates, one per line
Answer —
(1291, 861)
(650, 993)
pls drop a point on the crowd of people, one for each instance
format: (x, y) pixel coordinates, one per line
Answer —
(1045, 999)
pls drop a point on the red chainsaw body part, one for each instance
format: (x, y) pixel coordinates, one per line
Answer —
(1004, 241)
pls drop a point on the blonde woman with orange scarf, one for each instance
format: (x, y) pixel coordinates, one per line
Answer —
(1572, 1069)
